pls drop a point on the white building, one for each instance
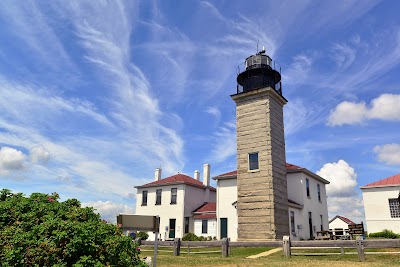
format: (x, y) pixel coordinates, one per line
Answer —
(340, 225)
(307, 204)
(381, 204)
(205, 220)
(174, 199)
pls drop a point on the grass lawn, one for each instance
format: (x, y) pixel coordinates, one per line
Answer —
(238, 258)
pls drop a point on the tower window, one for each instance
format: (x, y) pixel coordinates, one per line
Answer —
(308, 188)
(253, 161)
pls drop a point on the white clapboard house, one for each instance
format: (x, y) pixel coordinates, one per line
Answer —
(381, 204)
(307, 204)
(182, 202)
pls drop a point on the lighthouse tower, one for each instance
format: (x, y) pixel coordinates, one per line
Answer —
(262, 203)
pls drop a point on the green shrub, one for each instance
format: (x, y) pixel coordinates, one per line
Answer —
(142, 235)
(385, 234)
(41, 231)
(190, 237)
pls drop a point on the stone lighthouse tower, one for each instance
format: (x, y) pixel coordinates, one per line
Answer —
(262, 203)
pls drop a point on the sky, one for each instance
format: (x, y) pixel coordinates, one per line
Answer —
(97, 94)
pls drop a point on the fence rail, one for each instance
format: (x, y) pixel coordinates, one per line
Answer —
(286, 244)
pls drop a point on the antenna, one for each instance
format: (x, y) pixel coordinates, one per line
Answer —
(257, 45)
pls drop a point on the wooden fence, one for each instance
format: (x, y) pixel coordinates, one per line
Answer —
(286, 244)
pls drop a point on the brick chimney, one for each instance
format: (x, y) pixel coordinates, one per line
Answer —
(157, 174)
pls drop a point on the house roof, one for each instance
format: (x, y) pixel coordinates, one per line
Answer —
(176, 179)
(290, 168)
(346, 220)
(206, 211)
(390, 181)
(206, 207)
(205, 216)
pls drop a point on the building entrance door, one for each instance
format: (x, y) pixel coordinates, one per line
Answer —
(224, 227)
(172, 228)
(310, 225)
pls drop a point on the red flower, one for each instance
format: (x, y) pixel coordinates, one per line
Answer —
(50, 199)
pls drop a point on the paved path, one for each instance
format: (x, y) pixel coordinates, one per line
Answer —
(263, 254)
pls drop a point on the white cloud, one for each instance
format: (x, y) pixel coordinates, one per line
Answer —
(341, 176)
(384, 107)
(11, 159)
(389, 153)
(348, 113)
(109, 210)
(342, 190)
(39, 154)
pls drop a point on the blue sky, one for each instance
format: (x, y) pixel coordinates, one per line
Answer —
(96, 95)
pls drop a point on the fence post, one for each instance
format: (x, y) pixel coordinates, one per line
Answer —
(342, 250)
(360, 248)
(177, 246)
(286, 246)
(225, 247)
(138, 241)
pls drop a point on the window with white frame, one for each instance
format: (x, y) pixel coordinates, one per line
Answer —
(394, 207)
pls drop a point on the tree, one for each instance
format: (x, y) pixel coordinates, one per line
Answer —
(41, 231)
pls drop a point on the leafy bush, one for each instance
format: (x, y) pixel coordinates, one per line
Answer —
(385, 234)
(190, 237)
(142, 235)
(41, 231)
